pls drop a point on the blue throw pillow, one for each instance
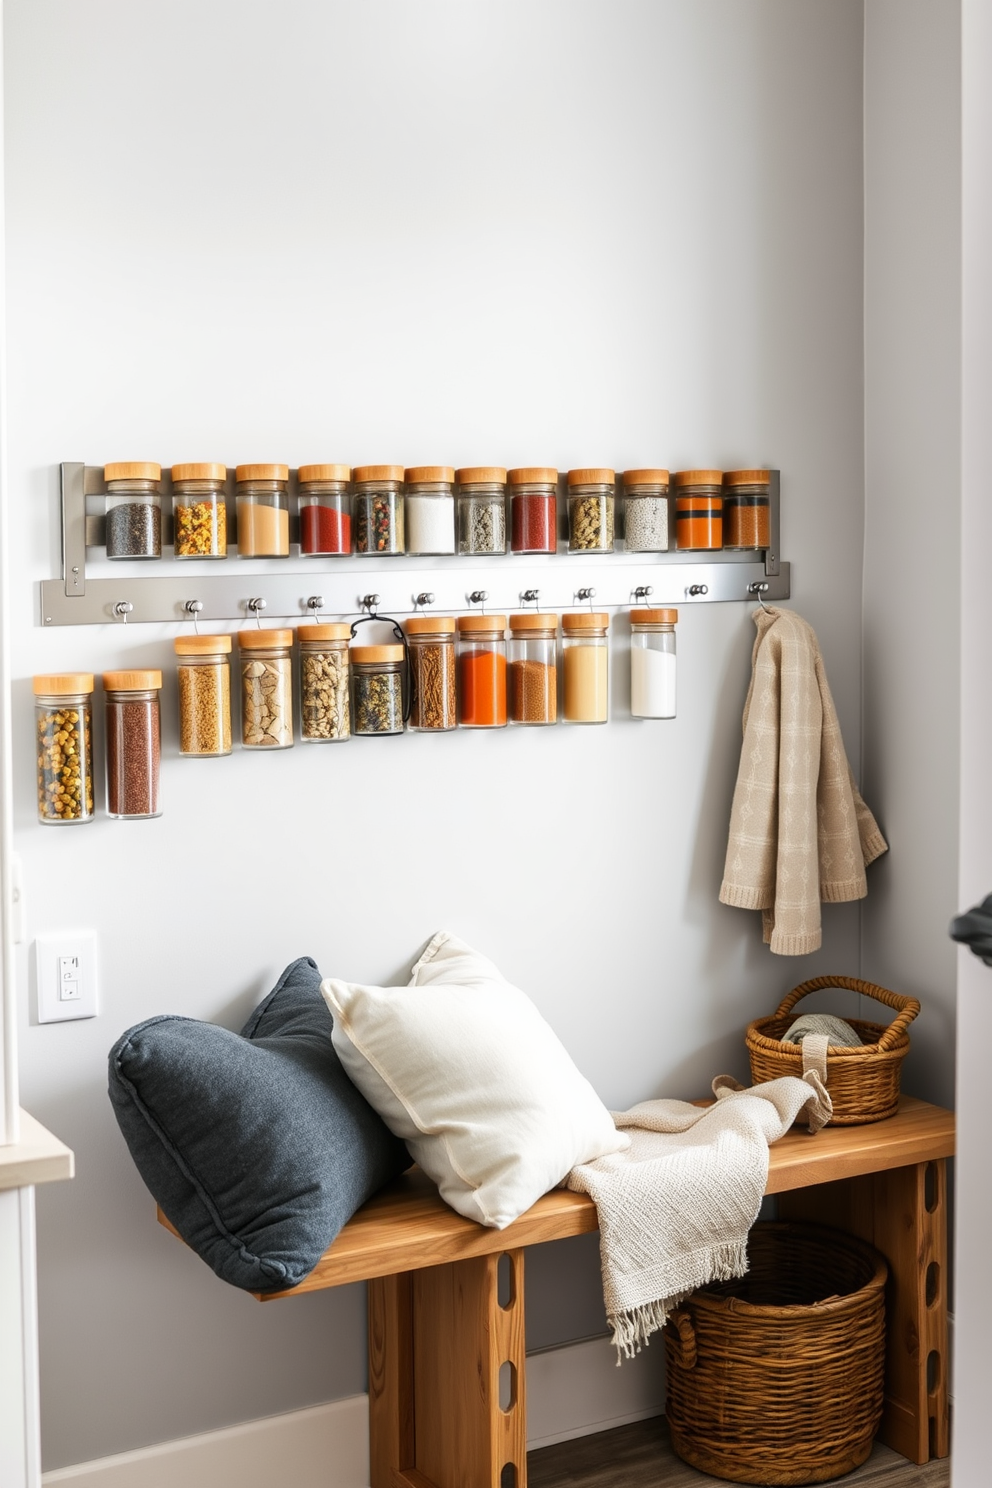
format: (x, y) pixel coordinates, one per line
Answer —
(256, 1145)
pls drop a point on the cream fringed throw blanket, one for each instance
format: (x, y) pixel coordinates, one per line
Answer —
(799, 831)
(675, 1208)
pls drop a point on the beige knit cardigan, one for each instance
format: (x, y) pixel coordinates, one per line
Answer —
(799, 831)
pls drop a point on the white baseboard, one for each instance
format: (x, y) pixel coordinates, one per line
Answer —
(576, 1390)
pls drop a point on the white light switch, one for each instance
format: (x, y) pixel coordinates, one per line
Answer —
(65, 975)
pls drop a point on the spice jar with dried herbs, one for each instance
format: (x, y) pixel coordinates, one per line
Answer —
(591, 495)
(203, 675)
(134, 743)
(431, 644)
(586, 665)
(482, 509)
(64, 745)
(199, 511)
(645, 510)
(134, 509)
(379, 509)
(430, 509)
(532, 668)
(325, 696)
(377, 689)
(325, 509)
(653, 672)
(266, 688)
(747, 509)
(482, 671)
(698, 509)
(262, 493)
(533, 509)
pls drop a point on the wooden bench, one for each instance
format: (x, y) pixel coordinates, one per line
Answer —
(446, 1310)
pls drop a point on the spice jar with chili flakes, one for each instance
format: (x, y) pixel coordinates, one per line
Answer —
(203, 675)
(533, 509)
(591, 496)
(325, 509)
(379, 510)
(266, 688)
(586, 665)
(698, 509)
(64, 741)
(430, 509)
(645, 507)
(134, 743)
(482, 671)
(431, 641)
(532, 668)
(199, 511)
(263, 511)
(325, 684)
(482, 509)
(377, 690)
(134, 509)
(747, 519)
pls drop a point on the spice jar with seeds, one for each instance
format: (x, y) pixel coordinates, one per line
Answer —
(263, 511)
(134, 509)
(747, 509)
(203, 673)
(430, 509)
(64, 745)
(652, 663)
(482, 671)
(199, 512)
(379, 514)
(533, 509)
(645, 510)
(698, 509)
(266, 688)
(590, 511)
(325, 509)
(586, 665)
(134, 743)
(431, 642)
(325, 699)
(532, 668)
(377, 689)
(482, 509)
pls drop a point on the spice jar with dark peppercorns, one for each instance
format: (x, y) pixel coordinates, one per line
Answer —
(533, 509)
(377, 689)
(431, 641)
(325, 703)
(203, 672)
(199, 512)
(134, 509)
(134, 743)
(379, 513)
(325, 509)
(64, 743)
(591, 499)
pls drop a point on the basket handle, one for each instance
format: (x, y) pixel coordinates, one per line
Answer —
(906, 1007)
(684, 1341)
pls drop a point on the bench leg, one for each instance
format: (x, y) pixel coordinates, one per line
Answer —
(903, 1213)
(447, 1381)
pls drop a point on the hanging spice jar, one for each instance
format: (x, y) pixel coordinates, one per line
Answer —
(430, 509)
(591, 495)
(533, 509)
(532, 668)
(325, 685)
(134, 509)
(747, 509)
(64, 743)
(203, 675)
(652, 663)
(325, 509)
(379, 515)
(482, 509)
(431, 642)
(199, 511)
(133, 743)
(698, 509)
(266, 688)
(263, 511)
(586, 665)
(377, 689)
(482, 671)
(646, 524)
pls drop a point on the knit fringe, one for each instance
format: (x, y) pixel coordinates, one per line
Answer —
(632, 1328)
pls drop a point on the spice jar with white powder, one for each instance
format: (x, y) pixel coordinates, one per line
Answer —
(430, 509)
(646, 525)
(652, 663)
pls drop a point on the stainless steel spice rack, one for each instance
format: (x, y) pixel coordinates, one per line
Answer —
(238, 589)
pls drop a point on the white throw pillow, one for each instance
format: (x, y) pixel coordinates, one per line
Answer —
(463, 1067)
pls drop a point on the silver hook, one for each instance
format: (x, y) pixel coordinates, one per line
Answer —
(193, 607)
(369, 602)
(479, 597)
(255, 607)
(422, 599)
(695, 591)
(531, 596)
(123, 607)
(586, 595)
(643, 591)
(315, 604)
(758, 588)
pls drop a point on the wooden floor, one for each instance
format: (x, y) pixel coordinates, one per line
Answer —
(640, 1456)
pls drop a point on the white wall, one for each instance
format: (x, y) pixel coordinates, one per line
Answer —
(566, 233)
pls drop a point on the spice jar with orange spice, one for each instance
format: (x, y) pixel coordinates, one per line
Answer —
(532, 668)
(698, 509)
(199, 511)
(482, 671)
(747, 509)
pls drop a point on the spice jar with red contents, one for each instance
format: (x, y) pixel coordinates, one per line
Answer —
(64, 742)
(698, 509)
(747, 509)
(134, 743)
(533, 509)
(482, 671)
(325, 510)
(532, 668)
(379, 509)
(199, 511)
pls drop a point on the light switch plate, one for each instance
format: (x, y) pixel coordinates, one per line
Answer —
(65, 975)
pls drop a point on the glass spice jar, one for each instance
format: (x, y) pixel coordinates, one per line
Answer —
(64, 742)
(431, 644)
(325, 686)
(586, 665)
(590, 511)
(266, 688)
(747, 521)
(377, 689)
(134, 509)
(263, 511)
(532, 668)
(482, 509)
(199, 511)
(482, 671)
(133, 743)
(533, 509)
(379, 515)
(203, 676)
(698, 509)
(325, 509)
(652, 663)
(430, 509)
(646, 523)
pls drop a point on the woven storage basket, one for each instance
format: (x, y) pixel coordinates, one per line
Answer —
(863, 1083)
(778, 1377)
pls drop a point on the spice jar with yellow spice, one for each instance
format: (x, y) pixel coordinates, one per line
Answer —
(431, 643)
(747, 522)
(591, 498)
(325, 683)
(586, 665)
(532, 668)
(199, 511)
(134, 509)
(203, 675)
(698, 509)
(64, 743)
(266, 688)
(263, 511)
